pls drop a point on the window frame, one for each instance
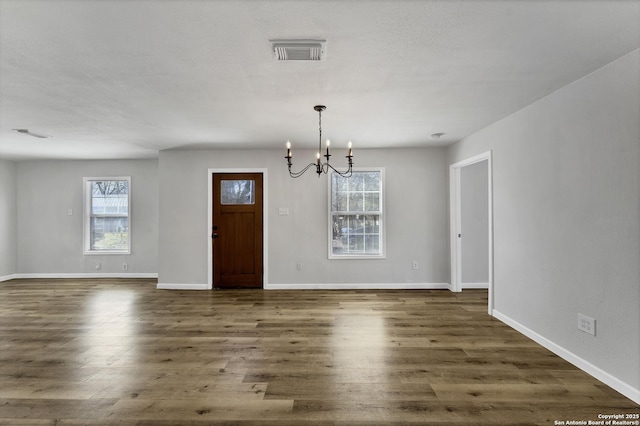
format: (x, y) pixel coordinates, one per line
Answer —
(86, 215)
(382, 220)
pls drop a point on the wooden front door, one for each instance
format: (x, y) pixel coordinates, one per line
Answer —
(237, 230)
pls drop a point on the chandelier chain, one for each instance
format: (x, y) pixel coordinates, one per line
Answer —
(319, 129)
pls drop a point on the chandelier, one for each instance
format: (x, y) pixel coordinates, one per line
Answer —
(320, 166)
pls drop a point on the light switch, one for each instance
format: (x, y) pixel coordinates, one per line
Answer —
(283, 211)
(70, 212)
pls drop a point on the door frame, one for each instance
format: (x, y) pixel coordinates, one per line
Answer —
(265, 228)
(455, 221)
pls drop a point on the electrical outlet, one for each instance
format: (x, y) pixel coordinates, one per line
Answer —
(125, 266)
(587, 324)
(299, 266)
(415, 265)
(98, 266)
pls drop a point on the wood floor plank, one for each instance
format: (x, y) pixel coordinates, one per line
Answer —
(121, 352)
(199, 409)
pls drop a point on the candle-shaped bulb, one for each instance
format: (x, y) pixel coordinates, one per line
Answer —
(328, 143)
(288, 149)
(318, 157)
(350, 151)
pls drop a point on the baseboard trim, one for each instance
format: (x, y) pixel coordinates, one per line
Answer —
(8, 277)
(87, 275)
(606, 378)
(172, 286)
(474, 285)
(322, 286)
(360, 286)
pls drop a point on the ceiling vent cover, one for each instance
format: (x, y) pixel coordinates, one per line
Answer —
(298, 50)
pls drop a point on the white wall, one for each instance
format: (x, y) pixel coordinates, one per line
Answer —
(50, 241)
(566, 176)
(8, 236)
(416, 217)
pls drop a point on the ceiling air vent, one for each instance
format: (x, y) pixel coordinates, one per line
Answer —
(298, 50)
(30, 133)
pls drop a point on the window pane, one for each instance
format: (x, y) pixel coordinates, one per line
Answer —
(371, 202)
(371, 181)
(338, 233)
(110, 197)
(109, 233)
(356, 182)
(372, 224)
(339, 183)
(355, 202)
(356, 243)
(339, 202)
(350, 224)
(237, 192)
(372, 243)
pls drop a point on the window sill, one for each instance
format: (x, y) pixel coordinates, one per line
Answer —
(94, 252)
(358, 257)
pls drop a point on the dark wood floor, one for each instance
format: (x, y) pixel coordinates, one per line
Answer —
(75, 352)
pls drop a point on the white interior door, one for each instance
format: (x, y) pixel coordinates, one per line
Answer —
(474, 225)
(471, 220)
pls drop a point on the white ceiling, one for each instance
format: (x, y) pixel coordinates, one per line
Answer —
(125, 79)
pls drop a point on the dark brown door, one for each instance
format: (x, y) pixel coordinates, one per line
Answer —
(237, 230)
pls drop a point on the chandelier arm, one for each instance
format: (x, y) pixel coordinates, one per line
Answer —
(346, 173)
(301, 172)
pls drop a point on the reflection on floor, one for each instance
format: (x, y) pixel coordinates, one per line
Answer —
(122, 352)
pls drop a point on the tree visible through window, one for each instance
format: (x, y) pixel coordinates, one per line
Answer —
(107, 215)
(237, 192)
(356, 216)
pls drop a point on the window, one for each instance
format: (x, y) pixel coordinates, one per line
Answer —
(237, 192)
(356, 227)
(106, 215)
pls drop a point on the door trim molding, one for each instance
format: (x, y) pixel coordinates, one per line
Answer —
(455, 221)
(265, 221)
